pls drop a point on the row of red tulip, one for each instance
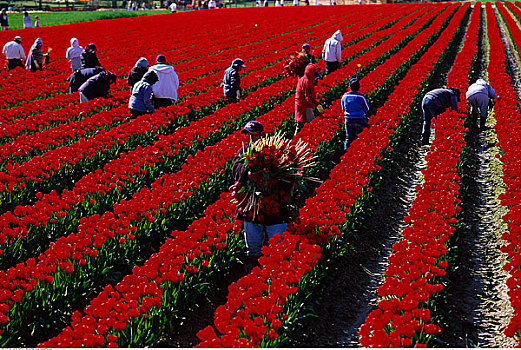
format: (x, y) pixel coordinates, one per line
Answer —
(255, 308)
(119, 171)
(405, 314)
(507, 114)
(165, 185)
(219, 36)
(40, 168)
(197, 85)
(170, 260)
(24, 144)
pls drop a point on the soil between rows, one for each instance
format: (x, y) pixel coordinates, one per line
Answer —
(477, 309)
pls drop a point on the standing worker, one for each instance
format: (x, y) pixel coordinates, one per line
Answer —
(137, 72)
(74, 54)
(305, 98)
(35, 57)
(332, 52)
(96, 86)
(434, 103)
(140, 99)
(14, 53)
(4, 23)
(89, 57)
(270, 225)
(165, 90)
(28, 23)
(232, 81)
(480, 96)
(355, 106)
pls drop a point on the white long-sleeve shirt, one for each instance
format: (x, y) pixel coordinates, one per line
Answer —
(13, 50)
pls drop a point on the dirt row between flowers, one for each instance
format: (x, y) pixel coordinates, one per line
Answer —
(184, 336)
(477, 307)
(343, 305)
(478, 299)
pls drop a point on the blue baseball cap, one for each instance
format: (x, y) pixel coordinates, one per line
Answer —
(306, 46)
(252, 127)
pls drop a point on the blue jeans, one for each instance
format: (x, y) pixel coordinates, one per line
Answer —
(353, 127)
(430, 110)
(254, 236)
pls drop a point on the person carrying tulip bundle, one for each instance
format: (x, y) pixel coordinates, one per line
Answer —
(305, 98)
(137, 72)
(306, 51)
(165, 89)
(74, 54)
(14, 53)
(232, 81)
(434, 103)
(481, 97)
(36, 58)
(355, 106)
(80, 76)
(332, 52)
(89, 57)
(265, 172)
(97, 86)
(140, 100)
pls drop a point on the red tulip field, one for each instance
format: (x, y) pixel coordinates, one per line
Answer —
(121, 232)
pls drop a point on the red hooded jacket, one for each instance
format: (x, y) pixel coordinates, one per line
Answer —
(305, 94)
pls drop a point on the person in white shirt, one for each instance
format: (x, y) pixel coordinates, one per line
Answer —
(28, 23)
(212, 4)
(74, 54)
(173, 7)
(14, 53)
(165, 90)
(332, 52)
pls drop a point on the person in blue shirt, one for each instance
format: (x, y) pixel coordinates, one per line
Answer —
(355, 106)
(140, 100)
(434, 103)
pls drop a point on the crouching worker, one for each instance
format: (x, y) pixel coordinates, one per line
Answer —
(480, 96)
(140, 100)
(80, 76)
(96, 86)
(434, 103)
(256, 228)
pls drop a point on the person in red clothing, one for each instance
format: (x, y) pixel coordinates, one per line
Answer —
(305, 98)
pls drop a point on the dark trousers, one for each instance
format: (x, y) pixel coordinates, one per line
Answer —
(332, 66)
(161, 102)
(353, 127)
(231, 98)
(430, 110)
(135, 113)
(15, 62)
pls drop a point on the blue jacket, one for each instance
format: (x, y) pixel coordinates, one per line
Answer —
(140, 98)
(354, 104)
(98, 85)
(441, 99)
(77, 78)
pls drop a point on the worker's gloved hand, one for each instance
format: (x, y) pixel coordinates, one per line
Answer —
(238, 94)
(320, 109)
